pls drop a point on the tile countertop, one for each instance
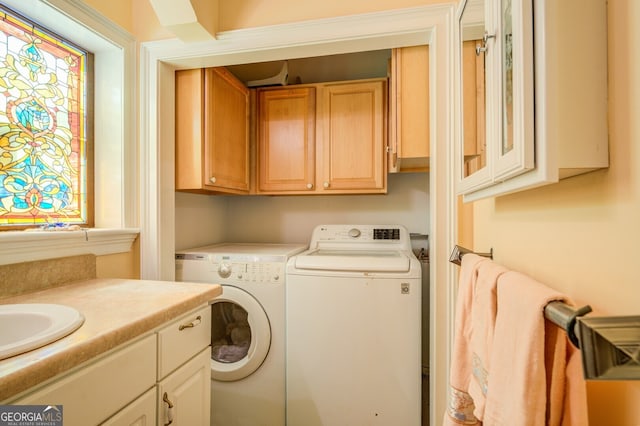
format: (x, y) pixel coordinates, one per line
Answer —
(115, 311)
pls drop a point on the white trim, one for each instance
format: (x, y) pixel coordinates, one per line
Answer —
(428, 24)
(16, 247)
(116, 181)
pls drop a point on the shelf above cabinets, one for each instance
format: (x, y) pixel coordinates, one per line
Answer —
(536, 111)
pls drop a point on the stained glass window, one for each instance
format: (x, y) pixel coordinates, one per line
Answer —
(45, 144)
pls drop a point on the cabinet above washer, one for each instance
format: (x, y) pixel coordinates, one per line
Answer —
(212, 132)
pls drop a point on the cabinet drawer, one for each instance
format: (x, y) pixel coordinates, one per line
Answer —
(96, 391)
(182, 339)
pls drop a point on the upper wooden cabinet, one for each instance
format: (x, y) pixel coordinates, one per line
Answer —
(286, 134)
(322, 138)
(409, 109)
(212, 132)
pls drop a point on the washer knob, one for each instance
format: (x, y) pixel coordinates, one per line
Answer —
(224, 270)
(354, 232)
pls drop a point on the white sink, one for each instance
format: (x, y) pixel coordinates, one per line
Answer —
(27, 326)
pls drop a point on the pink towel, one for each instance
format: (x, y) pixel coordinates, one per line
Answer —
(529, 375)
(483, 318)
(460, 407)
(474, 324)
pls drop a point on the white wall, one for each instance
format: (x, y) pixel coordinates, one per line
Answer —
(202, 219)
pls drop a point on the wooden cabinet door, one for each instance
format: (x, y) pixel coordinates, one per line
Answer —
(286, 140)
(184, 396)
(351, 137)
(226, 132)
(189, 129)
(409, 109)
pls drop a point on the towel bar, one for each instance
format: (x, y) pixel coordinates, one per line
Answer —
(559, 313)
(459, 251)
(610, 346)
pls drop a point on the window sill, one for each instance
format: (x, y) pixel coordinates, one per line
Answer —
(20, 246)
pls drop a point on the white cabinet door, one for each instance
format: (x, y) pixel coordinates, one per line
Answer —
(511, 66)
(141, 412)
(496, 97)
(184, 396)
(98, 390)
(473, 150)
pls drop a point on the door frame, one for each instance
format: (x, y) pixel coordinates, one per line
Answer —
(433, 25)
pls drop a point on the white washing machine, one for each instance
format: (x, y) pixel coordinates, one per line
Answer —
(247, 328)
(353, 328)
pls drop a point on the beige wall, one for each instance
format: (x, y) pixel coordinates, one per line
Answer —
(581, 235)
(120, 265)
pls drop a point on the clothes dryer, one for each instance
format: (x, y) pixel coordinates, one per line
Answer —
(247, 328)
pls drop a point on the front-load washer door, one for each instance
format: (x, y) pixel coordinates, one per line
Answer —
(240, 335)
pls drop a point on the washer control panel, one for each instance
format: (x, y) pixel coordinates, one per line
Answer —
(266, 272)
(371, 235)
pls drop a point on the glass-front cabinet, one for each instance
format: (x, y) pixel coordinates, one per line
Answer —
(531, 93)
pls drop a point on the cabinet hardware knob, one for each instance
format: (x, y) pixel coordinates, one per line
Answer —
(481, 48)
(192, 324)
(166, 399)
(326, 184)
(309, 186)
(212, 179)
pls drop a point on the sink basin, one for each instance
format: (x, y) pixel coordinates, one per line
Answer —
(27, 326)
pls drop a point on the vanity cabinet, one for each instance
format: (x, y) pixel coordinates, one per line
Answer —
(212, 132)
(184, 370)
(140, 412)
(544, 95)
(98, 390)
(131, 384)
(409, 109)
(325, 138)
(184, 396)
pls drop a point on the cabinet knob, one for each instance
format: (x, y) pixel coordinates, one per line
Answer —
(483, 47)
(326, 185)
(309, 186)
(212, 179)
